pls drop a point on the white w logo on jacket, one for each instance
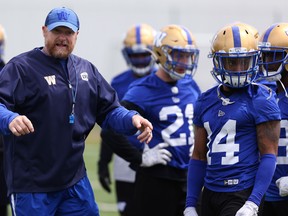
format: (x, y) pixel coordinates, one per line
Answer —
(50, 80)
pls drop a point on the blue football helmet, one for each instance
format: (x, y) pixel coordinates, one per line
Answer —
(171, 45)
(137, 49)
(2, 40)
(273, 46)
(235, 56)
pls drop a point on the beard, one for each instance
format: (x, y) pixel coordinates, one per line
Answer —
(59, 49)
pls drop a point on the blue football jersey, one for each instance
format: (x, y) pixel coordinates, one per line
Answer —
(282, 157)
(233, 156)
(121, 83)
(169, 107)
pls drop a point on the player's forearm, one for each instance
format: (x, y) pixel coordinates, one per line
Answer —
(263, 177)
(268, 137)
(195, 181)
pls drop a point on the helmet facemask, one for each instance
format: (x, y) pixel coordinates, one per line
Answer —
(236, 69)
(139, 59)
(2, 41)
(176, 52)
(1, 48)
(138, 43)
(273, 62)
(180, 62)
(235, 56)
(273, 46)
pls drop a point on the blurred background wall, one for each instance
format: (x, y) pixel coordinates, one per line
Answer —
(104, 22)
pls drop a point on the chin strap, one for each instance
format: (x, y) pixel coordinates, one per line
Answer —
(225, 101)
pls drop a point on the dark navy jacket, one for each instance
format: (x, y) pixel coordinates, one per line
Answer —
(37, 86)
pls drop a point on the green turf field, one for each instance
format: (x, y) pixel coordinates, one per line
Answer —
(106, 202)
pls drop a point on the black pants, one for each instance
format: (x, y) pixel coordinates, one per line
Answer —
(224, 204)
(279, 208)
(125, 193)
(156, 196)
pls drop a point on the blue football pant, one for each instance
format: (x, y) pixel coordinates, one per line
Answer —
(77, 200)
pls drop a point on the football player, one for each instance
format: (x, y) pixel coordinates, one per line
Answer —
(273, 46)
(236, 126)
(167, 98)
(137, 52)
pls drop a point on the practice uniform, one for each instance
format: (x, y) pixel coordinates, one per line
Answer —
(233, 155)
(169, 107)
(274, 203)
(124, 176)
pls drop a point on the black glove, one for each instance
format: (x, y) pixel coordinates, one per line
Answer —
(105, 158)
(104, 176)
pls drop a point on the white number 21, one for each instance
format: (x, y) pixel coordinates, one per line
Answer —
(177, 124)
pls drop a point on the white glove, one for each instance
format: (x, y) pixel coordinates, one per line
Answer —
(155, 155)
(282, 184)
(190, 211)
(248, 209)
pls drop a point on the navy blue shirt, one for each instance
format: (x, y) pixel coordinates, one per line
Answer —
(36, 85)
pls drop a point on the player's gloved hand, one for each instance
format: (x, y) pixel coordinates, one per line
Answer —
(248, 209)
(104, 177)
(155, 155)
(282, 184)
(190, 211)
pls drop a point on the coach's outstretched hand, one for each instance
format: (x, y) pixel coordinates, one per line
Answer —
(21, 125)
(144, 126)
